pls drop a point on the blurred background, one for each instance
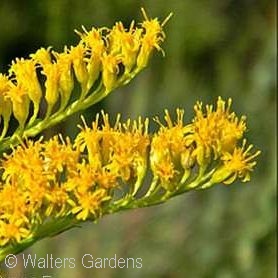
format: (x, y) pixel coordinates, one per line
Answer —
(213, 48)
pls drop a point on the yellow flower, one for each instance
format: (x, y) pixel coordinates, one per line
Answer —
(90, 204)
(173, 134)
(167, 173)
(118, 151)
(103, 60)
(5, 103)
(148, 43)
(24, 72)
(51, 70)
(17, 164)
(14, 230)
(170, 153)
(41, 181)
(95, 47)
(35, 193)
(89, 139)
(42, 57)
(215, 131)
(106, 179)
(58, 179)
(58, 199)
(52, 73)
(126, 44)
(66, 82)
(153, 36)
(59, 156)
(110, 70)
(23, 172)
(20, 103)
(82, 180)
(93, 39)
(152, 26)
(130, 48)
(128, 148)
(13, 203)
(77, 54)
(115, 38)
(237, 164)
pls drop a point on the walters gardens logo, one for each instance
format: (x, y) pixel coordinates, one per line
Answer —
(86, 261)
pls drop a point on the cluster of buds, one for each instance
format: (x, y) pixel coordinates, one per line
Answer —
(103, 170)
(103, 60)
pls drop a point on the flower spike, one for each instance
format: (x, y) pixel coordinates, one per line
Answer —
(103, 60)
(104, 169)
(50, 186)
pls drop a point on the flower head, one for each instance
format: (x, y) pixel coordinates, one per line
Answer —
(59, 156)
(42, 56)
(170, 152)
(110, 70)
(152, 37)
(215, 131)
(89, 204)
(5, 103)
(103, 59)
(17, 164)
(24, 72)
(14, 230)
(237, 164)
(66, 82)
(20, 103)
(56, 179)
(95, 46)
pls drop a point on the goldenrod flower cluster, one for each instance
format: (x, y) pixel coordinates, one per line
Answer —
(103, 169)
(103, 60)
(47, 187)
